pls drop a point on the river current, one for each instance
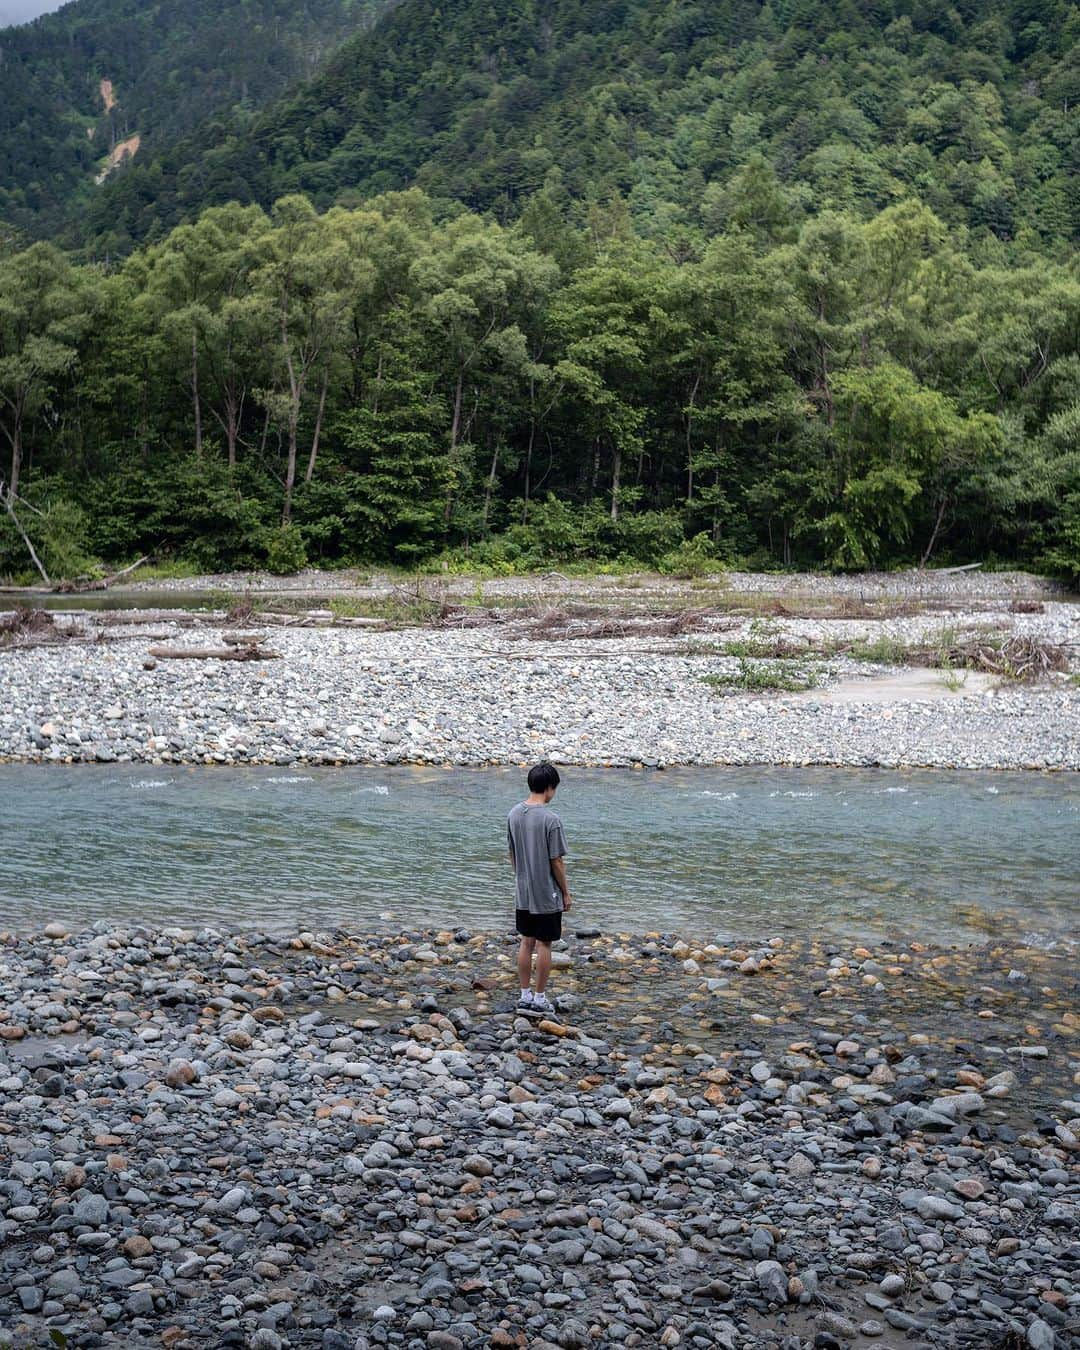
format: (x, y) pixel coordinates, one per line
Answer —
(724, 853)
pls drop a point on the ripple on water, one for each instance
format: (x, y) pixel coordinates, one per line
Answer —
(737, 847)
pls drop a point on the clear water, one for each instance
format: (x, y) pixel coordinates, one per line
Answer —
(117, 599)
(745, 852)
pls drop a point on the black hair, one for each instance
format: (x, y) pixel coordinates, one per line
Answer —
(543, 776)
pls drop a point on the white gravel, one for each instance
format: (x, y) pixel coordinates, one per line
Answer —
(482, 696)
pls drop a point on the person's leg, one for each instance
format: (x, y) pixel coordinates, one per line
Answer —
(543, 965)
(525, 955)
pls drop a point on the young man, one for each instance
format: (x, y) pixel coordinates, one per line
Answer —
(537, 844)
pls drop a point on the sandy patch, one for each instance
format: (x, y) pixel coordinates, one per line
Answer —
(906, 686)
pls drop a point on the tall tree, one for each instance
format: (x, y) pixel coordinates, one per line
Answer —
(42, 315)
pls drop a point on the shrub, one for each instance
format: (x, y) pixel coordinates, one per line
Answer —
(285, 551)
(692, 558)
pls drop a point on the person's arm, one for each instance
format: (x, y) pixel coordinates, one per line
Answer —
(558, 871)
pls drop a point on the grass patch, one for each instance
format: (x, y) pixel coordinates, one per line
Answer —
(761, 677)
(954, 680)
(1017, 658)
(174, 569)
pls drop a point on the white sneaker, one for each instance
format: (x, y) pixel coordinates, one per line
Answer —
(541, 1004)
(525, 1002)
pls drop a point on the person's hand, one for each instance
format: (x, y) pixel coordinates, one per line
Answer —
(566, 902)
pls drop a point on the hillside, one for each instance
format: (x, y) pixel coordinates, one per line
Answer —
(101, 73)
(604, 280)
(972, 108)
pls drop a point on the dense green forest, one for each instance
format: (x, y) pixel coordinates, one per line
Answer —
(854, 104)
(168, 69)
(382, 384)
(788, 284)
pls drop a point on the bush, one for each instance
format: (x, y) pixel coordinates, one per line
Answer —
(285, 551)
(58, 529)
(693, 558)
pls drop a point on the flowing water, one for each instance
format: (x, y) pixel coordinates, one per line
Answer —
(726, 853)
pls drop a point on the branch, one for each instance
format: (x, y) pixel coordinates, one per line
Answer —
(26, 539)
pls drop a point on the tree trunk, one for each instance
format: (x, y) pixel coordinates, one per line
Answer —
(455, 432)
(934, 533)
(378, 386)
(230, 423)
(528, 469)
(265, 433)
(689, 441)
(16, 458)
(455, 425)
(616, 469)
(490, 485)
(296, 393)
(195, 389)
(318, 428)
(290, 471)
(234, 412)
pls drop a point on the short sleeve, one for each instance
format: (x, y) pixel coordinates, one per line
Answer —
(556, 838)
(509, 839)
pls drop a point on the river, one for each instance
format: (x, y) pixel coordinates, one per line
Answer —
(726, 853)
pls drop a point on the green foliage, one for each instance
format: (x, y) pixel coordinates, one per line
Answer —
(285, 552)
(58, 529)
(682, 121)
(760, 677)
(398, 389)
(171, 70)
(694, 557)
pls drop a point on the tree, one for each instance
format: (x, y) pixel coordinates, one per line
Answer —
(305, 281)
(896, 441)
(41, 320)
(476, 282)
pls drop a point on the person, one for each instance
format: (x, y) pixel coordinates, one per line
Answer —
(537, 844)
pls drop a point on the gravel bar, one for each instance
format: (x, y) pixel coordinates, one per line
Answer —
(498, 695)
(341, 1142)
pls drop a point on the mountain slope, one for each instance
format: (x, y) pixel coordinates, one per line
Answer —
(853, 105)
(97, 73)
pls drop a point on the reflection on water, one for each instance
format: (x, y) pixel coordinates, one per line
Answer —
(724, 852)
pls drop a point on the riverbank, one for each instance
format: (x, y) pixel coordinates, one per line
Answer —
(664, 681)
(337, 1141)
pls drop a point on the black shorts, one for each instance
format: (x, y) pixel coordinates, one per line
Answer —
(543, 927)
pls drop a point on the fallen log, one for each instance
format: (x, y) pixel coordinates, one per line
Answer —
(243, 639)
(213, 654)
(81, 584)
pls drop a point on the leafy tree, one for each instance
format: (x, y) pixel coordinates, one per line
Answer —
(42, 312)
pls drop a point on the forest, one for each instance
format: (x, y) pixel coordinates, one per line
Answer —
(970, 107)
(167, 68)
(379, 384)
(786, 284)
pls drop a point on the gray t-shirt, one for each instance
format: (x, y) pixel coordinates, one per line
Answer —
(534, 835)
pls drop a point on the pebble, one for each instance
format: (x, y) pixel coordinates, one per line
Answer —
(450, 1174)
(371, 696)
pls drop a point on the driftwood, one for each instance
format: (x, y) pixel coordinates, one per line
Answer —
(81, 584)
(243, 639)
(253, 653)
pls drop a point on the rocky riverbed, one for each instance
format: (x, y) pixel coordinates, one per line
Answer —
(507, 692)
(214, 1139)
